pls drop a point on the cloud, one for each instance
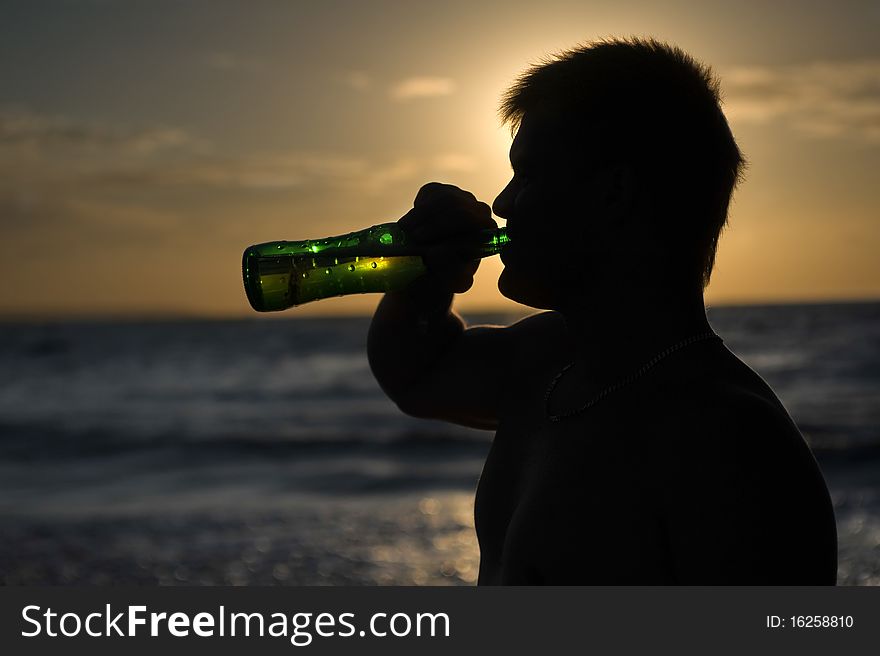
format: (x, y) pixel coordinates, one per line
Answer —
(422, 87)
(378, 178)
(456, 162)
(820, 99)
(62, 176)
(357, 80)
(43, 156)
(266, 172)
(24, 128)
(228, 62)
(277, 172)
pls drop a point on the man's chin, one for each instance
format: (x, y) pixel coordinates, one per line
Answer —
(523, 292)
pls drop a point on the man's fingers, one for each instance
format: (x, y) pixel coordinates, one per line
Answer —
(442, 194)
(453, 229)
(453, 264)
(445, 221)
(412, 223)
(485, 212)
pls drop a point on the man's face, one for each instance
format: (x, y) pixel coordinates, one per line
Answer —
(552, 215)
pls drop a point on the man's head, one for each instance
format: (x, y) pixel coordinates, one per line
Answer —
(622, 146)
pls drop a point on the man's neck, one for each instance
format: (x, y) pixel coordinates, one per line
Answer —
(613, 337)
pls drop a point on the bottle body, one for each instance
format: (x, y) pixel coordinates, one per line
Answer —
(282, 274)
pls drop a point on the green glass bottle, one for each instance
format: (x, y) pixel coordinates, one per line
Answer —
(282, 274)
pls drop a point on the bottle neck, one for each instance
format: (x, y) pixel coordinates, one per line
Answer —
(493, 240)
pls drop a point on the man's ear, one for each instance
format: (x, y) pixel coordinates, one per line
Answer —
(610, 196)
(617, 191)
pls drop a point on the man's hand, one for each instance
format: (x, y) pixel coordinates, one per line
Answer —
(444, 221)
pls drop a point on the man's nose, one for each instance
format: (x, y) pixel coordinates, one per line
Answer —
(503, 203)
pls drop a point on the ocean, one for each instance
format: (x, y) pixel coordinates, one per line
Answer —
(257, 451)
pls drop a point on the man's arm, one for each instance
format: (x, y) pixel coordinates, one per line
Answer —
(420, 351)
(433, 366)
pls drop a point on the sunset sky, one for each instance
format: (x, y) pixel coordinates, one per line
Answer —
(144, 144)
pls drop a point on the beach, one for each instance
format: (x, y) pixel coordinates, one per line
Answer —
(263, 453)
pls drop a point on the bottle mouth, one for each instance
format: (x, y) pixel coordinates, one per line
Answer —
(267, 280)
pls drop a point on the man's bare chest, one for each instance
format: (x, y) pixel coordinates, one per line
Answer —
(555, 498)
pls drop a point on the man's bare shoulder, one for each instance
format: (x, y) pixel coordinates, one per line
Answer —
(714, 423)
(549, 321)
(711, 381)
(538, 334)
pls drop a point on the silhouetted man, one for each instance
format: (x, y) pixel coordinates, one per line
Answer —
(631, 446)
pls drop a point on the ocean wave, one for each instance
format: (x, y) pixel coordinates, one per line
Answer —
(29, 444)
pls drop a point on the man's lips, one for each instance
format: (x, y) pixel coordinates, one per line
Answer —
(505, 254)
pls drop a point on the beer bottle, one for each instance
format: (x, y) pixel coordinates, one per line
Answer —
(282, 274)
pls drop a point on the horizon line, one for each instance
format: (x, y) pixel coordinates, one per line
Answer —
(171, 316)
